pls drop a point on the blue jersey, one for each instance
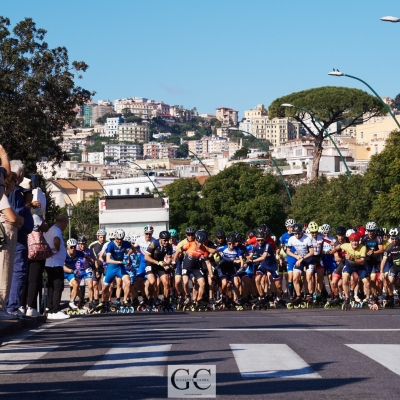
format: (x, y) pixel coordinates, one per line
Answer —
(229, 255)
(270, 260)
(75, 262)
(118, 253)
(135, 260)
(285, 238)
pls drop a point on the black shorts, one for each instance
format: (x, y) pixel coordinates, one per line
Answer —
(192, 267)
(156, 270)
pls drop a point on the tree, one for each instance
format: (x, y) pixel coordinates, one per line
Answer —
(241, 153)
(396, 102)
(329, 104)
(103, 119)
(183, 151)
(38, 95)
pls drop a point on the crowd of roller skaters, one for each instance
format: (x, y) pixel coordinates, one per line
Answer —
(227, 271)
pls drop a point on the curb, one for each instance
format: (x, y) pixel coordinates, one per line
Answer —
(11, 327)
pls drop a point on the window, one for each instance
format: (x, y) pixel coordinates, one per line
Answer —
(111, 192)
(127, 191)
(362, 135)
(118, 191)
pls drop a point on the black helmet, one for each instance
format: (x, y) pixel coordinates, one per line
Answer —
(220, 233)
(82, 239)
(238, 237)
(204, 231)
(298, 228)
(262, 227)
(200, 236)
(190, 230)
(231, 237)
(164, 235)
(251, 233)
(340, 230)
(379, 232)
(260, 235)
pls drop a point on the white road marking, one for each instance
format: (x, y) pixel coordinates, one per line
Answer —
(14, 358)
(128, 361)
(266, 329)
(386, 354)
(271, 361)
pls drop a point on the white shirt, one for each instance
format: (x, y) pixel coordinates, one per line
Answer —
(58, 258)
(3, 205)
(143, 244)
(301, 245)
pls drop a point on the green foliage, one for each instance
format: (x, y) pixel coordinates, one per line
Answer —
(85, 218)
(241, 153)
(396, 102)
(38, 94)
(183, 151)
(102, 120)
(329, 104)
(133, 118)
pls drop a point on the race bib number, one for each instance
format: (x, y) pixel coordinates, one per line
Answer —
(184, 271)
(148, 269)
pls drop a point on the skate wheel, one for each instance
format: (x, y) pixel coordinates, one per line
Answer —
(327, 305)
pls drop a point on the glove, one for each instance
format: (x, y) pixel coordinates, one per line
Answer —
(88, 270)
(160, 263)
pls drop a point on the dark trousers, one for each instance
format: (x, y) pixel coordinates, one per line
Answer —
(55, 287)
(19, 276)
(35, 282)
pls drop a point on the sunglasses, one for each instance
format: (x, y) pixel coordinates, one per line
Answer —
(149, 233)
(230, 243)
(260, 240)
(190, 234)
(72, 247)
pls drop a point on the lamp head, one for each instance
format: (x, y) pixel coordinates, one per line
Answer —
(70, 210)
(288, 105)
(336, 72)
(390, 19)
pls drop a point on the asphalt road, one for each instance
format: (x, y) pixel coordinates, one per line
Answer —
(290, 354)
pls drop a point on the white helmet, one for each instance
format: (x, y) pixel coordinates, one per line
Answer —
(371, 226)
(394, 232)
(71, 242)
(119, 234)
(349, 232)
(101, 232)
(134, 238)
(148, 229)
(325, 228)
(111, 235)
(127, 238)
(290, 222)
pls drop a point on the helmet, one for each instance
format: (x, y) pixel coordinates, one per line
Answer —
(190, 230)
(231, 237)
(267, 231)
(127, 238)
(173, 232)
(82, 239)
(238, 237)
(354, 237)
(371, 226)
(379, 232)
(200, 236)
(134, 237)
(119, 234)
(313, 227)
(111, 235)
(164, 235)
(297, 228)
(308, 231)
(290, 222)
(385, 231)
(251, 233)
(340, 230)
(361, 231)
(220, 233)
(349, 232)
(325, 228)
(262, 227)
(394, 232)
(260, 235)
(204, 231)
(148, 229)
(71, 242)
(101, 232)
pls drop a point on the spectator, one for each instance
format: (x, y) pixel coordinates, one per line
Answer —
(11, 222)
(4, 169)
(54, 267)
(20, 200)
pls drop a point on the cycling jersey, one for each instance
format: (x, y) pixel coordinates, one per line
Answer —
(359, 252)
(96, 247)
(229, 255)
(301, 246)
(118, 253)
(372, 244)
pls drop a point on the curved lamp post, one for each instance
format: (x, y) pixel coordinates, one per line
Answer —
(87, 173)
(325, 131)
(338, 73)
(272, 159)
(201, 162)
(145, 174)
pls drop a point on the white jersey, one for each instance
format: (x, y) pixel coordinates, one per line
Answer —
(326, 246)
(301, 246)
(317, 243)
(143, 244)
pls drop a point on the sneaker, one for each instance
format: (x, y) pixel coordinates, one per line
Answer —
(58, 315)
(22, 309)
(19, 314)
(72, 306)
(31, 312)
(4, 315)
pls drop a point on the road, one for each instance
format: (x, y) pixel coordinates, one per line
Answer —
(277, 354)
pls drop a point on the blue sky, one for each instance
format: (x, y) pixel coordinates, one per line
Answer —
(213, 53)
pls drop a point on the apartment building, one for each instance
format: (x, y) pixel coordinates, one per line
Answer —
(134, 132)
(227, 116)
(142, 107)
(276, 130)
(158, 150)
(95, 157)
(101, 108)
(257, 112)
(112, 126)
(121, 152)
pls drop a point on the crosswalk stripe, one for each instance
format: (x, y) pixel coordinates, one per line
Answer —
(270, 361)
(386, 354)
(15, 358)
(126, 361)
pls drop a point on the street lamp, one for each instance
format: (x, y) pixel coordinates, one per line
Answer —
(325, 131)
(70, 210)
(201, 162)
(338, 73)
(147, 176)
(390, 19)
(272, 159)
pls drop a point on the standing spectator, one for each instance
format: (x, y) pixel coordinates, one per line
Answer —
(20, 200)
(4, 169)
(54, 267)
(11, 222)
